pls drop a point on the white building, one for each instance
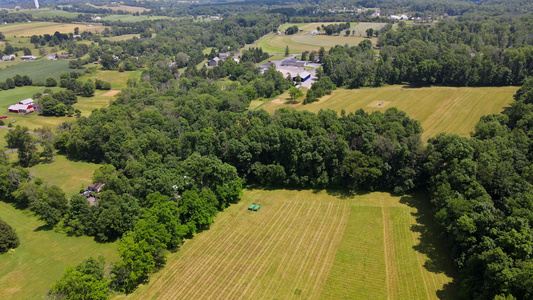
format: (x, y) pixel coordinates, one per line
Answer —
(28, 101)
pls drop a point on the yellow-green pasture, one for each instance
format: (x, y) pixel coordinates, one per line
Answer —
(40, 28)
(42, 256)
(439, 109)
(117, 79)
(124, 37)
(308, 245)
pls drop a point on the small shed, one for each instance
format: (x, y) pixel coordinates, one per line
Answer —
(303, 75)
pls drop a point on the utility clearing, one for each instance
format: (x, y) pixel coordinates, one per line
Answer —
(308, 245)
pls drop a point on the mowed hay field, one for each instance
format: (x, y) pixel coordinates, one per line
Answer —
(439, 109)
(304, 245)
(42, 256)
(40, 28)
(305, 41)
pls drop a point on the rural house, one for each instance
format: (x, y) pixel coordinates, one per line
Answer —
(28, 57)
(213, 62)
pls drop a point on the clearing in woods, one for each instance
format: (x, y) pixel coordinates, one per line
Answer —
(439, 109)
(42, 256)
(309, 245)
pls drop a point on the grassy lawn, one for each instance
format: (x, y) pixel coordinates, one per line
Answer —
(42, 255)
(308, 245)
(37, 70)
(439, 109)
(71, 176)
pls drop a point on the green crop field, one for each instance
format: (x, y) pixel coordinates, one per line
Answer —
(37, 70)
(439, 109)
(308, 245)
(42, 255)
(305, 41)
(71, 176)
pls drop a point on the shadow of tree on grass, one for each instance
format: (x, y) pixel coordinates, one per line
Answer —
(432, 243)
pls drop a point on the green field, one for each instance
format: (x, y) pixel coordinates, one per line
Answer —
(37, 70)
(71, 176)
(3, 143)
(131, 18)
(304, 41)
(50, 13)
(131, 9)
(308, 245)
(42, 256)
(439, 109)
(117, 79)
(123, 37)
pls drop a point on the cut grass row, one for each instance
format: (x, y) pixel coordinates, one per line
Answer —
(301, 244)
(439, 109)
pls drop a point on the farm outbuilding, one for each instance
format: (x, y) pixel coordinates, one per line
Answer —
(303, 75)
(292, 62)
(21, 108)
(28, 101)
